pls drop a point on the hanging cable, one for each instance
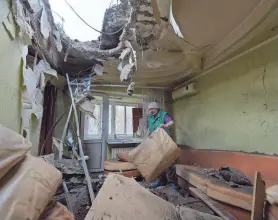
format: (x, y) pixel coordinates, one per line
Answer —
(90, 25)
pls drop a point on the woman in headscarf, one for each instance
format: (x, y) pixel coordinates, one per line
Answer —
(158, 118)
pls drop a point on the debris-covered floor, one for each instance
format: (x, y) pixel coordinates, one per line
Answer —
(76, 183)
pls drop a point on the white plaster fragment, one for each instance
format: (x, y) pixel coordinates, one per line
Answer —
(45, 73)
(26, 32)
(45, 25)
(35, 5)
(58, 41)
(174, 23)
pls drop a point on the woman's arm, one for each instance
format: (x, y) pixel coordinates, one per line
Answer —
(167, 125)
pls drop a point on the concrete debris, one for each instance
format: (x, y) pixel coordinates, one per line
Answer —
(232, 176)
(191, 214)
(69, 166)
(180, 197)
(115, 18)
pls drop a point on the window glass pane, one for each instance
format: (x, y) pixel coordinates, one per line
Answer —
(120, 119)
(129, 121)
(110, 119)
(94, 124)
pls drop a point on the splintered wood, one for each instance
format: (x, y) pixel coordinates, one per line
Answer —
(258, 198)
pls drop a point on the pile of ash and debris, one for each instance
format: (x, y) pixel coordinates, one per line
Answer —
(74, 178)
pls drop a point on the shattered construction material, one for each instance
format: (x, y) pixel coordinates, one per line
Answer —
(154, 155)
(13, 148)
(231, 175)
(27, 188)
(124, 198)
(69, 166)
(181, 198)
(215, 188)
(191, 214)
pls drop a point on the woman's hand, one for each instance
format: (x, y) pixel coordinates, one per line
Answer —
(162, 126)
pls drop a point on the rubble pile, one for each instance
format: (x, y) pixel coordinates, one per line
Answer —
(75, 180)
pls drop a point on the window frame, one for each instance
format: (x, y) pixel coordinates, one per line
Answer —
(113, 135)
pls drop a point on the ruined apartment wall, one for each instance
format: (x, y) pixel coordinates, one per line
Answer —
(10, 76)
(237, 107)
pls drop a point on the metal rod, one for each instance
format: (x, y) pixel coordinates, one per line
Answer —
(87, 175)
(61, 148)
(68, 197)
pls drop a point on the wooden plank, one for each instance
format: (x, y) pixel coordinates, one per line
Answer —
(258, 198)
(216, 207)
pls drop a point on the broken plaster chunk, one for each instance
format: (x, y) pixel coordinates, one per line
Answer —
(45, 73)
(26, 32)
(45, 25)
(127, 72)
(125, 53)
(68, 166)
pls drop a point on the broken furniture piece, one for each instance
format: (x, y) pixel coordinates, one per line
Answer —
(123, 168)
(217, 189)
(154, 155)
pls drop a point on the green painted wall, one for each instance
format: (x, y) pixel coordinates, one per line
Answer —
(10, 76)
(236, 108)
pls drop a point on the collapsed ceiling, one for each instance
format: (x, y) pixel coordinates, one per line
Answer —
(168, 43)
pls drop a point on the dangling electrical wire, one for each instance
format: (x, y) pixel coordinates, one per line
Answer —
(90, 25)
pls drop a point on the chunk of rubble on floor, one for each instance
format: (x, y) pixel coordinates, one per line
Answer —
(69, 166)
(191, 214)
(180, 197)
(123, 198)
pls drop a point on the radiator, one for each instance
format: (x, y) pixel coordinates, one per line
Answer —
(114, 151)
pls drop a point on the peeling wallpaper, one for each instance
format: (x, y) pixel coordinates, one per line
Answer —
(236, 108)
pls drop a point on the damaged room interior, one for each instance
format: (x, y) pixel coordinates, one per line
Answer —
(138, 110)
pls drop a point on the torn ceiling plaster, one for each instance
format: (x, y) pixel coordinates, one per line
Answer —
(150, 28)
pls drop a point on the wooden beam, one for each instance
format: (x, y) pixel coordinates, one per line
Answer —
(258, 198)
